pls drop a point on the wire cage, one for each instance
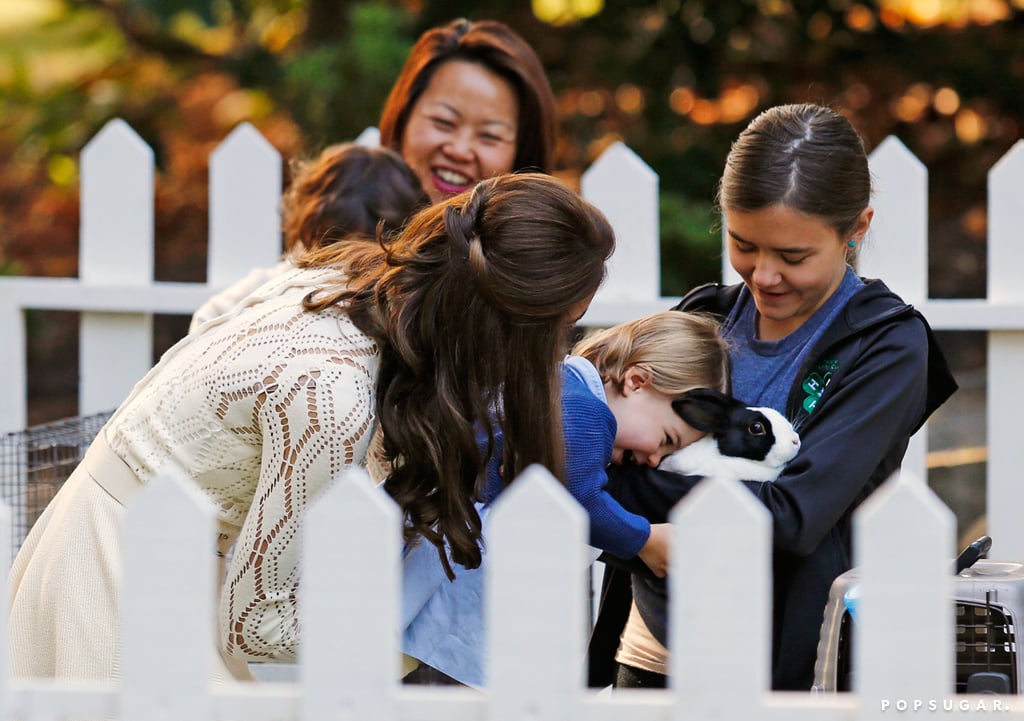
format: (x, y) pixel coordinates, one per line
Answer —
(35, 462)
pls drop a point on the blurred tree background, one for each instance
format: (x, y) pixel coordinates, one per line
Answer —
(674, 79)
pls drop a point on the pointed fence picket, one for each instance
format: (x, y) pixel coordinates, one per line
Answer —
(349, 600)
(897, 248)
(626, 190)
(168, 596)
(537, 582)
(116, 249)
(245, 199)
(1005, 389)
(730, 611)
(924, 647)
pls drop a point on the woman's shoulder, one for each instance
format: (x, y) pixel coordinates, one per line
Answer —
(715, 298)
(899, 324)
(274, 322)
(876, 308)
(289, 278)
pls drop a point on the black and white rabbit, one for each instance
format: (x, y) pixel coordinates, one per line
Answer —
(742, 443)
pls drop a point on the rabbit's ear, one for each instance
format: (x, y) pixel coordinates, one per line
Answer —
(705, 409)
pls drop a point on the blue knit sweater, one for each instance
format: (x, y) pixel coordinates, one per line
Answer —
(443, 621)
(589, 428)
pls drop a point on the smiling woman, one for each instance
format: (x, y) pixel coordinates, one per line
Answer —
(462, 129)
(790, 261)
(471, 102)
(855, 369)
(265, 405)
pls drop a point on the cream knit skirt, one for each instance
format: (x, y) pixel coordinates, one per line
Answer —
(64, 617)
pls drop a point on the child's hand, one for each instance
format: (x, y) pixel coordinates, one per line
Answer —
(655, 552)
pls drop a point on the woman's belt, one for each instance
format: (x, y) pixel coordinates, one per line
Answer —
(114, 476)
(110, 472)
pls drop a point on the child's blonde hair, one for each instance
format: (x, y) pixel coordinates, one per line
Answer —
(680, 350)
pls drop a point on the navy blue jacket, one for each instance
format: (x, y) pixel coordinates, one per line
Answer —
(871, 381)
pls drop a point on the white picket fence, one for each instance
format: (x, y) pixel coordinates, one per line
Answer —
(536, 597)
(537, 589)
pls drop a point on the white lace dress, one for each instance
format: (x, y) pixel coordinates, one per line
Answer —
(262, 409)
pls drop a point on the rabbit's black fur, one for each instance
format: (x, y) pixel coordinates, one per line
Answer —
(742, 443)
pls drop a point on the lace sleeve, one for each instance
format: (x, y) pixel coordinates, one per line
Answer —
(315, 413)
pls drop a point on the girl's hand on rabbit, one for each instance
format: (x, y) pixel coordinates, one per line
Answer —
(655, 553)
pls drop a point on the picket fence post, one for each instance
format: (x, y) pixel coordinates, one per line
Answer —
(625, 188)
(536, 601)
(169, 589)
(13, 370)
(896, 249)
(897, 246)
(351, 555)
(720, 588)
(245, 200)
(1005, 385)
(116, 248)
(903, 545)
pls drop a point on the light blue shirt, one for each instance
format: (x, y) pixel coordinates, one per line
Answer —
(442, 620)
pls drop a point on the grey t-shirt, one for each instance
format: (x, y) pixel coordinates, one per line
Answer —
(763, 372)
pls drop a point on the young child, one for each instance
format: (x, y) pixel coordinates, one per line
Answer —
(617, 391)
(347, 190)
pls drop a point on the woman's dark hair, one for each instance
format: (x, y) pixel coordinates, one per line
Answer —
(806, 157)
(498, 48)
(470, 306)
(348, 190)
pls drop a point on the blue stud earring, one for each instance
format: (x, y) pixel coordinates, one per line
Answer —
(852, 243)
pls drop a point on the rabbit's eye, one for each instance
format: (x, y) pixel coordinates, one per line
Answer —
(757, 428)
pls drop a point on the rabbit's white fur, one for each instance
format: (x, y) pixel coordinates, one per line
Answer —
(704, 458)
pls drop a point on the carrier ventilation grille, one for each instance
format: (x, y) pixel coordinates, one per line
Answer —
(985, 643)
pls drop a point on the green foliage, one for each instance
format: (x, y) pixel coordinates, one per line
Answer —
(41, 100)
(690, 247)
(9, 267)
(337, 89)
(166, 10)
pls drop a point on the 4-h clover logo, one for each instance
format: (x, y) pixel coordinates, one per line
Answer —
(814, 386)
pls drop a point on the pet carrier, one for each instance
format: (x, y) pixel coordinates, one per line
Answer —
(989, 601)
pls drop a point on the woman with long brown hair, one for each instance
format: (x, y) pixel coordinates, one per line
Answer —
(265, 405)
